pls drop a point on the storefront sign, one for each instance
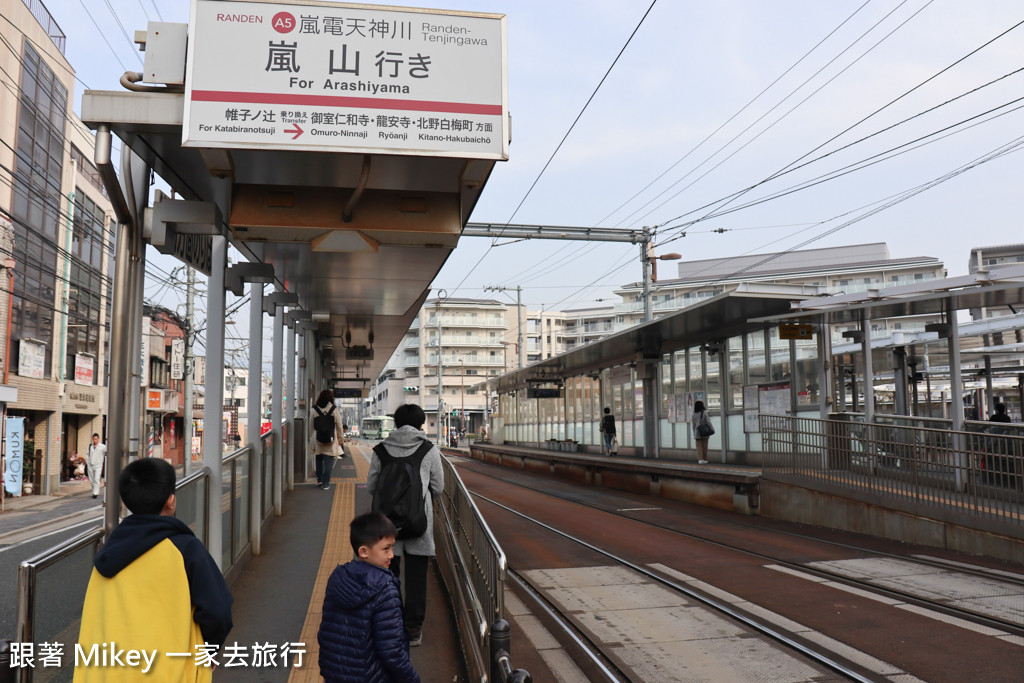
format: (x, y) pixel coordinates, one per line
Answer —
(14, 444)
(154, 399)
(177, 359)
(350, 78)
(145, 350)
(83, 399)
(199, 375)
(31, 358)
(84, 369)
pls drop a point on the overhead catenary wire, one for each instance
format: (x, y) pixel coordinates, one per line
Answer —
(732, 197)
(559, 146)
(786, 114)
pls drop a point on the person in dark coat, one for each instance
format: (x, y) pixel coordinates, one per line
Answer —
(998, 416)
(362, 632)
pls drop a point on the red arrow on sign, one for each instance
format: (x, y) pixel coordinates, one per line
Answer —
(298, 131)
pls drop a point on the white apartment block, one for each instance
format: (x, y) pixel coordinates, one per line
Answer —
(478, 339)
(846, 269)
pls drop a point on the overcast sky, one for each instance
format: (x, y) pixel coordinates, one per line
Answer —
(707, 100)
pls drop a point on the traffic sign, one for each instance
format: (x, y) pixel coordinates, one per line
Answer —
(796, 332)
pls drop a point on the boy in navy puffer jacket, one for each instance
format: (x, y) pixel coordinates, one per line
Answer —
(362, 635)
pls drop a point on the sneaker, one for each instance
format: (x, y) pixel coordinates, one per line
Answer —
(702, 462)
(415, 640)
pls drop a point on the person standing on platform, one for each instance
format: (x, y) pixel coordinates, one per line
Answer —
(1000, 414)
(702, 431)
(611, 443)
(95, 459)
(362, 636)
(408, 441)
(327, 437)
(154, 589)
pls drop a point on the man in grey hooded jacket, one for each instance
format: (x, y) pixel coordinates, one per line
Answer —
(413, 553)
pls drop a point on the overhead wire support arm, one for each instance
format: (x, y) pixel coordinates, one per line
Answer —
(552, 232)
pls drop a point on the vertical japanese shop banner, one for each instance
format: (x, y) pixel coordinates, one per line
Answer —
(14, 447)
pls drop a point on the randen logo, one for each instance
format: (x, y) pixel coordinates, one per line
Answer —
(283, 22)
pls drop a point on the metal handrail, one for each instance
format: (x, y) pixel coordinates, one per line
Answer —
(972, 476)
(476, 568)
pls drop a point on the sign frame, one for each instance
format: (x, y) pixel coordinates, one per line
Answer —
(456, 47)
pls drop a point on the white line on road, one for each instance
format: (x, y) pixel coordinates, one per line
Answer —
(57, 531)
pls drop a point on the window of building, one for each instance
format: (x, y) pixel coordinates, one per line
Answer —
(36, 203)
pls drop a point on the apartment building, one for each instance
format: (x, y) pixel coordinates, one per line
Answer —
(845, 269)
(474, 339)
(56, 246)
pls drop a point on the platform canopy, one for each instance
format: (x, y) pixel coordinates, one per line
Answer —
(712, 320)
(348, 158)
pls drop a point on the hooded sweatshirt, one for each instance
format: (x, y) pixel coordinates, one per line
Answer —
(155, 589)
(402, 443)
(362, 633)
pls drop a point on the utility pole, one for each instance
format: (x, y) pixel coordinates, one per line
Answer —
(645, 261)
(190, 293)
(441, 296)
(519, 316)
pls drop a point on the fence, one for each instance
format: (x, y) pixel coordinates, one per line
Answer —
(473, 567)
(48, 23)
(52, 585)
(973, 476)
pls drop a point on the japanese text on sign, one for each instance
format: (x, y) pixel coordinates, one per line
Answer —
(325, 78)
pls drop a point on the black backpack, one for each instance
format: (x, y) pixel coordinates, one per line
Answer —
(323, 425)
(399, 491)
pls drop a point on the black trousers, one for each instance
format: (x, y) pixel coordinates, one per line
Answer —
(415, 584)
(324, 466)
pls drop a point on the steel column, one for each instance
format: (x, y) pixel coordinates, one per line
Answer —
(289, 410)
(956, 394)
(213, 431)
(869, 371)
(276, 394)
(252, 428)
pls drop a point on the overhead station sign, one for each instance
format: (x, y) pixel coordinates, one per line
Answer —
(338, 77)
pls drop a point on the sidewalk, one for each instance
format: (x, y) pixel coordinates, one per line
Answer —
(24, 513)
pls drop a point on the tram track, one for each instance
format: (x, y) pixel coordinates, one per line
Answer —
(828, 659)
(811, 572)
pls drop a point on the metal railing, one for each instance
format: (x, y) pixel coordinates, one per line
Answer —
(974, 476)
(48, 23)
(473, 567)
(52, 585)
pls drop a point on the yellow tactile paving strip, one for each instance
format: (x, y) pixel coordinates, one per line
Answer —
(336, 551)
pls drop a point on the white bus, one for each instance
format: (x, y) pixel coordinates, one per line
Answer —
(376, 428)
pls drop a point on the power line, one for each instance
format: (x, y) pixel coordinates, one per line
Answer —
(738, 112)
(564, 137)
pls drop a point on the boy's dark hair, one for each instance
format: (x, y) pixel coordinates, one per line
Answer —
(96, 435)
(146, 484)
(368, 529)
(1000, 407)
(409, 414)
(607, 411)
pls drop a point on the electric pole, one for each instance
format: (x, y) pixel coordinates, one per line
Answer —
(190, 293)
(519, 316)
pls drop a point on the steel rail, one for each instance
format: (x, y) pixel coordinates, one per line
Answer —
(825, 659)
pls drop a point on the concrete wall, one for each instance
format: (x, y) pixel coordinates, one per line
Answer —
(794, 504)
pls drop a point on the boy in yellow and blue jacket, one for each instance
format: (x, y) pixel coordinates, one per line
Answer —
(154, 590)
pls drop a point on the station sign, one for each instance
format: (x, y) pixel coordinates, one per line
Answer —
(796, 331)
(335, 77)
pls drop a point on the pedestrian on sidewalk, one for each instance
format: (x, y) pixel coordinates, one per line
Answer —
(408, 441)
(362, 635)
(95, 460)
(611, 442)
(328, 433)
(702, 431)
(154, 588)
